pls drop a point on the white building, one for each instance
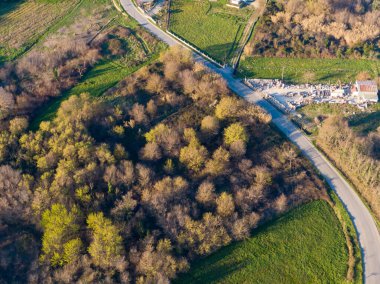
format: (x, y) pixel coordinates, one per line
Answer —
(236, 3)
(366, 90)
(338, 93)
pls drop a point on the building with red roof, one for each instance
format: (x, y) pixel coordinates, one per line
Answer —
(366, 90)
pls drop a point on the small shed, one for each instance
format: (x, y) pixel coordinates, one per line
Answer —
(235, 3)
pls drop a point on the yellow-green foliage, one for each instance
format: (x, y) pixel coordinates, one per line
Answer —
(72, 249)
(154, 133)
(60, 244)
(225, 204)
(206, 234)
(227, 107)
(194, 155)
(235, 132)
(106, 243)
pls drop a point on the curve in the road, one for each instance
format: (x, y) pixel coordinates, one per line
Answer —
(368, 234)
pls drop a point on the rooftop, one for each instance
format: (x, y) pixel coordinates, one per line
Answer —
(366, 86)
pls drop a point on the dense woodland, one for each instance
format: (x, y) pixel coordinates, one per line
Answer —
(358, 157)
(318, 28)
(171, 168)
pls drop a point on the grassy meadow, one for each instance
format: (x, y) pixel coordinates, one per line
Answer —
(306, 245)
(22, 23)
(325, 70)
(210, 26)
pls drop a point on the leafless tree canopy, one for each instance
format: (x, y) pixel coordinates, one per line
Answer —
(362, 165)
(326, 28)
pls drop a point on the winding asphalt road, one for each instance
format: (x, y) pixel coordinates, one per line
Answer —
(369, 236)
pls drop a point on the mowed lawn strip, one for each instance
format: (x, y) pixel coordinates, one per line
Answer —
(325, 70)
(210, 26)
(306, 245)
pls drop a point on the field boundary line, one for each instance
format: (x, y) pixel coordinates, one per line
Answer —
(168, 17)
(47, 31)
(117, 6)
(188, 44)
(101, 30)
(183, 41)
(349, 242)
(177, 37)
(247, 33)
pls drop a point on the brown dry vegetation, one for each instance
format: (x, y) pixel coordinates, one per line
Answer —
(318, 28)
(135, 190)
(29, 19)
(357, 156)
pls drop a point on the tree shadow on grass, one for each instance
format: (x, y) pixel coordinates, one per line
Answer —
(366, 122)
(175, 11)
(221, 52)
(334, 76)
(100, 70)
(215, 271)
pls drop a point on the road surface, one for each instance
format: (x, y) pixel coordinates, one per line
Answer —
(368, 234)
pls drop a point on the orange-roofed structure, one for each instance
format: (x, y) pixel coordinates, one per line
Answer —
(366, 90)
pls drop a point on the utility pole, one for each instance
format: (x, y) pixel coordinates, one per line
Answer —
(282, 73)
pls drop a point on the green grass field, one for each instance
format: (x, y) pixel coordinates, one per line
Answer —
(306, 245)
(325, 70)
(210, 26)
(22, 23)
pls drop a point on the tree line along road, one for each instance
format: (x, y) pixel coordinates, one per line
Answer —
(368, 234)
